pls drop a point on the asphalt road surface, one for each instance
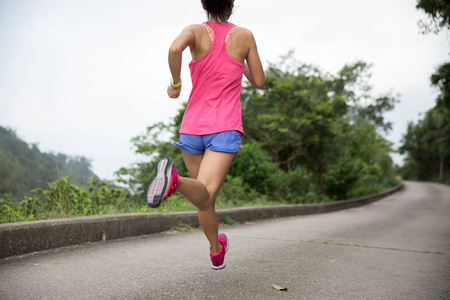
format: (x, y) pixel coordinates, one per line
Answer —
(396, 248)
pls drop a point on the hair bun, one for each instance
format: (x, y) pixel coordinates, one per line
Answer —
(219, 9)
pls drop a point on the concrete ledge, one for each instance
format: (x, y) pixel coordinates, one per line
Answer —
(25, 237)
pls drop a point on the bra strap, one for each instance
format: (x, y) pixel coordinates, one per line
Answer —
(228, 35)
(208, 31)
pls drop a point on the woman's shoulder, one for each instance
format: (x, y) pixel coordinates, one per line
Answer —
(242, 31)
(195, 30)
(243, 35)
(193, 27)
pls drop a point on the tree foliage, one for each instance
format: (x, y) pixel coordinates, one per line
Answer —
(309, 136)
(427, 143)
(438, 11)
(304, 118)
(24, 167)
(441, 80)
(62, 199)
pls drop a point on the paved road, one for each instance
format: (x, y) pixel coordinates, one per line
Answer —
(397, 248)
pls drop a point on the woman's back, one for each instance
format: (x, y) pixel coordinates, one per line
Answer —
(237, 47)
(214, 104)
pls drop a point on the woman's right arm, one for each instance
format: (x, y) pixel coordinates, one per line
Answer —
(253, 68)
(181, 42)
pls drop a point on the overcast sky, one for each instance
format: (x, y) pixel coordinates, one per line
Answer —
(82, 77)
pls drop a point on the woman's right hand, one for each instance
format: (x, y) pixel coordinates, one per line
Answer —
(173, 92)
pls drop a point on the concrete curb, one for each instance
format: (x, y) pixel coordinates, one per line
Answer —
(25, 237)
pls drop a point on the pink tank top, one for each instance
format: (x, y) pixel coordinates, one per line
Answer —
(214, 103)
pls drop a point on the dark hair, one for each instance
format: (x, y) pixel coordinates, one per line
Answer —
(219, 9)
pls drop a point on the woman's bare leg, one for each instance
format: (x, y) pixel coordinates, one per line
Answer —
(208, 172)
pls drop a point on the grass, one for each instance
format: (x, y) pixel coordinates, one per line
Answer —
(64, 200)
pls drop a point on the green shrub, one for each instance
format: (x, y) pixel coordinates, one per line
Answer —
(235, 192)
(228, 220)
(256, 168)
(63, 199)
(371, 180)
(296, 186)
(341, 178)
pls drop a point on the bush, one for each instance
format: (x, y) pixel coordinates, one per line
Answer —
(371, 180)
(235, 192)
(296, 186)
(256, 168)
(341, 178)
(64, 199)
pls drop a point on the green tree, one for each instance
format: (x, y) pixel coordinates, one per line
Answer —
(427, 143)
(427, 146)
(299, 116)
(441, 80)
(352, 82)
(361, 164)
(292, 118)
(23, 167)
(153, 145)
(309, 136)
(438, 11)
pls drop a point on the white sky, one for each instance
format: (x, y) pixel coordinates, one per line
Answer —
(83, 77)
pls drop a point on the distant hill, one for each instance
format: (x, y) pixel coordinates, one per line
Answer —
(24, 167)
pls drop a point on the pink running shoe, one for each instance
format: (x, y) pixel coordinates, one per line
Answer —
(218, 260)
(163, 184)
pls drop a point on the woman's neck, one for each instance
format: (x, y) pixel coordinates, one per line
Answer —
(215, 20)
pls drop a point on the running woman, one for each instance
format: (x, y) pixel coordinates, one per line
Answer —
(211, 130)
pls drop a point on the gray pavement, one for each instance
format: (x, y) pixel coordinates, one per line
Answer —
(396, 248)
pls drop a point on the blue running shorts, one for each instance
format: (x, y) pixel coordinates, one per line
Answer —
(226, 141)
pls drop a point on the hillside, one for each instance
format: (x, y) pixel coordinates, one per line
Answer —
(24, 167)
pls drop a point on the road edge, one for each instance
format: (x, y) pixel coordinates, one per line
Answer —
(26, 237)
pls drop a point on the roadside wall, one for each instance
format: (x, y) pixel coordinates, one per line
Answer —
(25, 237)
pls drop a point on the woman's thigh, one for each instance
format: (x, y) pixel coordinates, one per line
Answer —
(213, 170)
(192, 162)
